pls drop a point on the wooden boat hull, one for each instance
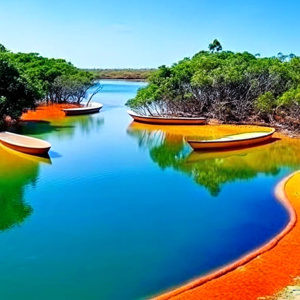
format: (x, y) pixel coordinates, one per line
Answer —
(167, 121)
(24, 144)
(231, 142)
(83, 110)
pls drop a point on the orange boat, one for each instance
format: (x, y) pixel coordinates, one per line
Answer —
(24, 144)
(166, 120)
(233, 141)
(83, 110)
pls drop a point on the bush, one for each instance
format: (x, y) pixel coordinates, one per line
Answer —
(224, 85)
(265, 103)
(16, 94)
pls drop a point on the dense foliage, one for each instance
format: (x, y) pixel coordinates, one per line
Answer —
(26, 78)
(140, 74)
(227, 86)
(15, 92)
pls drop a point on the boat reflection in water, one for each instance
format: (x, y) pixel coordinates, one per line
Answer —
(213, 169)
(18, 170)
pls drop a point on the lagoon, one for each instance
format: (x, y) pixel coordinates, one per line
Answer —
(121, 211)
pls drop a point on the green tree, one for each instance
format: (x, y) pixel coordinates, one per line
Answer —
(26, 78)
(2, 48)
(215, 46)
(16, 94)
(227, 86)
(54, 80)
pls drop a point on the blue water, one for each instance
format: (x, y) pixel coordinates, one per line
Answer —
(108, 221)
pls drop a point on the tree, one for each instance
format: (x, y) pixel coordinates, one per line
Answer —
(16, 94)
(292, 55)
(71, 87)
(2, 48)
(228, 86)
(26, 78)
(215, 46)
(282, 57)
(54, 80)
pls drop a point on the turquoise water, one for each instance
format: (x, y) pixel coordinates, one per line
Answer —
(124, 213)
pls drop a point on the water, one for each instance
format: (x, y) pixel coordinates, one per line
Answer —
(124, 212)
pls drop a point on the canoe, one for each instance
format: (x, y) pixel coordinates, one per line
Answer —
(166, 120)
(233, 141)
(92, 108)
(24, 144)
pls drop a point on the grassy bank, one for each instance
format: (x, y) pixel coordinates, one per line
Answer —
(130, 74)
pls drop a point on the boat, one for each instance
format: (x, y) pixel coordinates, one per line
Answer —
(90, 108)
(166, 120)
(240, 140)
(24, 144)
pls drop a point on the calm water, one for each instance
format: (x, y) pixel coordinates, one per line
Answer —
(123, 213)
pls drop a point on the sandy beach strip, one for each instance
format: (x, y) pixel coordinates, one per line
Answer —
(263, 272)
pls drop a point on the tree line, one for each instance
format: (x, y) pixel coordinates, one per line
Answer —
(224, 85)
(131, 74)
(29, 78)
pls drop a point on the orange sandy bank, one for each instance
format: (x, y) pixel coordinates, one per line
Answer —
(198, 132)
(261, 273)
(46, 112)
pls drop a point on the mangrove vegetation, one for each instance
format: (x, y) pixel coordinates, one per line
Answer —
(29, 78)
(227, 86)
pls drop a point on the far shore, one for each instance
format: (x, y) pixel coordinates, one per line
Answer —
(122, 78)
(122, 74)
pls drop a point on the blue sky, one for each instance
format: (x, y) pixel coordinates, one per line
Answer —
(137, 33)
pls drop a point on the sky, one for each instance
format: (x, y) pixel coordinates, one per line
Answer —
(146, 34)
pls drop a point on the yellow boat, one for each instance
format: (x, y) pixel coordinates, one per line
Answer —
(166, 120)
(233, 141)
(24, 144)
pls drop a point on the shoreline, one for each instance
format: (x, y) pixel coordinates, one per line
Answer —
(212, 122)
(217, 285)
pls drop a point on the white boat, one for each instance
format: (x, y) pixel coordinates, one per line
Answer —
(233, 141)
(24, 143)
(90, 108)
(166, 120)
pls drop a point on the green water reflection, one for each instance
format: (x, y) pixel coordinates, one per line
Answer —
(61, 128)
(17, 171)
(214, 169)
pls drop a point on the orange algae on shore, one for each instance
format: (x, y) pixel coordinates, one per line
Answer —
(271, 268)
(265, 270)
(264, 275)
(197, 131)
(47, 112)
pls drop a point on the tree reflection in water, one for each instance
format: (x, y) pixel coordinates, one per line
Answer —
(213, 169)
(62, 127)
